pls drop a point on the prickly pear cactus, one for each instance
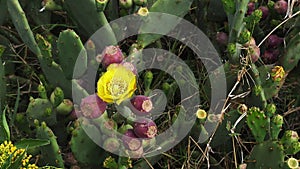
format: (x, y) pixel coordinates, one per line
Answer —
(257, 122)
(41, 110)
(84, 149)
(70, 51)
(2, 80)
(50, 154)
(270, 149)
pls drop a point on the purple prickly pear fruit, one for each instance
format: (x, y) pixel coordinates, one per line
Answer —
(141, 105)
(131, 141)
(92, 106)
(265, 11)
(273, 41)
(222, 38)
(251, 8)
(145, 128)
(281, 6)
(111, 54)
(270, 56)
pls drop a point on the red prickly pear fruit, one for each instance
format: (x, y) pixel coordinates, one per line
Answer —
(265, 11)
(111, 54)
(145, 128)
(273, 41)
(92, 106)
(222, 38)
(141, 105)
(281, 6)
(131, 141)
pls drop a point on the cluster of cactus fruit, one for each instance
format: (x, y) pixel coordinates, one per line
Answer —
(69, 107)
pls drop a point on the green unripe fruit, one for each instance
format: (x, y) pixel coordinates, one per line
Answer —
(126, 4)
(111, 144)
(42, 91)
(140, 2)
(57, 96)
(65, 107)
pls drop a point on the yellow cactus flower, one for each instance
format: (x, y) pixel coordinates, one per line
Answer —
(201, 114)
(143, 11)
(278, 73)
(116, 84)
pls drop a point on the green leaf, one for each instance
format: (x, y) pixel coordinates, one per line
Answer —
(31, 143)
(4, 128)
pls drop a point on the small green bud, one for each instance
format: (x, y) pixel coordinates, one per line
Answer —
(42, 91)
(148, 77)
(244, 37)
(57, 96)
(270, 110)
(231, 48)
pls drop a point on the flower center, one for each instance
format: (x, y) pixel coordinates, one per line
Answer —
(117, 87)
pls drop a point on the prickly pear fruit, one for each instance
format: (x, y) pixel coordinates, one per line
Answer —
(131, 141)
(92, 106)
(111, 54)
(65, 107)
(281, 6)
(141, 105)
(145, 128)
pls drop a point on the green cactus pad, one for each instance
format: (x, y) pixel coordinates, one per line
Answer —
(266, 155)
(85, 14)
(42, 110)
(2, 80)
(21, 24)
(50, 154)
(257, 122)
(84, 149)
(72, 55)
(290, 60)
(178, 8)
